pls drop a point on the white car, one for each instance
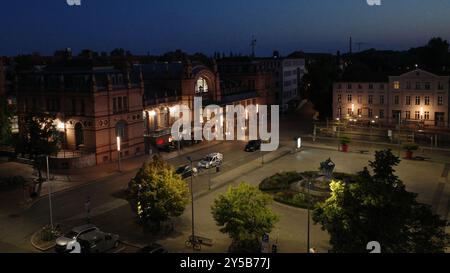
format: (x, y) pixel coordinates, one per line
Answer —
(211, 160)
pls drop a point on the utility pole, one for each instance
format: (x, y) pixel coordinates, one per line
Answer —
(49, 194)
(309, 205)
(193, 242)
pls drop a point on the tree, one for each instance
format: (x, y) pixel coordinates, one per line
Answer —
(243, 213)
(157, 193)
(38, 137)
(5, 122)
(378, 208)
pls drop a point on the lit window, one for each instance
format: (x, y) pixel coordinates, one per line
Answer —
(396, 85)
(427, 100)
(417, 100)
(349, 98)
(201, 86)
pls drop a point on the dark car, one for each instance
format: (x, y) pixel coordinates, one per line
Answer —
(253, 145)
(186, 171)
(153, 249)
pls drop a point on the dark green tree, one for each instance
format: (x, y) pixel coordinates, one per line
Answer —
(378, 208)
(244, 215)
(5, 122)
(38, 137)
(157, 193)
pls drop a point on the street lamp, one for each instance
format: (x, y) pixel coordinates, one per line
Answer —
(193, 241)
(118, 151)
(49, 193)
(309, 220)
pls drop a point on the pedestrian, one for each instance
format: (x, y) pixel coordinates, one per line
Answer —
(87, 207)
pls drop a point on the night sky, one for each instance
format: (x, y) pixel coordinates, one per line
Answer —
(157, 26)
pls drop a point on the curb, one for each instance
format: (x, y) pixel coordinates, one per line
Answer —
(38, 247)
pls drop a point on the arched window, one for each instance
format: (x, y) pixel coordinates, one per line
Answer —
(122, 130)
(201, 86)
(79, 136)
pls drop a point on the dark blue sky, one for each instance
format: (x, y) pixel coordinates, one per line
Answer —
(157, 26)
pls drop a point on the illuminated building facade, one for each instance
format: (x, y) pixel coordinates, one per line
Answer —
(416, 97)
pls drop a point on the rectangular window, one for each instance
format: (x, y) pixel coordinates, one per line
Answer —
(396, 100)
(440, 86)
(370, 99)
(339, 98)
(349, 111)
(408, 85)
(417, 100)
(427, 115)
(396, 85)
(114, 105)
(408, 114)
(359, 112)
(349, 86)
(125, 103)
(349, 98)
(427, 100)
(440, 100)
(119, 104)
(382, 99)
(427, 86)
(408, 100)
(418, 86)
(370, 112)
(74, 106)
(381, 114)
(417, 115)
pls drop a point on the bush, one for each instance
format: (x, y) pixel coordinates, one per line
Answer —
(411, 147)
(279, 181)
(48, 234)
(345, 140)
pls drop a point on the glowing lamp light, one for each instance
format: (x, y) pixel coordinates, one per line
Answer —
(299, 143)
(257, 108)
(152, 113)
(60, 125)
(118, 144)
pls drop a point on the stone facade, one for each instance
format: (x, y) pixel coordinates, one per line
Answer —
(414, 97)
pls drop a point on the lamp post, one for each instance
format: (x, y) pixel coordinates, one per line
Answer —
(49, 193)
(193, 242)
(118, 152)
(309, 205)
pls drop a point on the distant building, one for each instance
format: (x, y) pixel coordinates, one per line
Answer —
(288, 73)
(414, 97)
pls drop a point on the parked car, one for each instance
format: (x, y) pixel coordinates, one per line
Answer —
(71, 237)
(98, 241)
(186, 171)
(253, 146)
(211, 160)
(153, 249)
